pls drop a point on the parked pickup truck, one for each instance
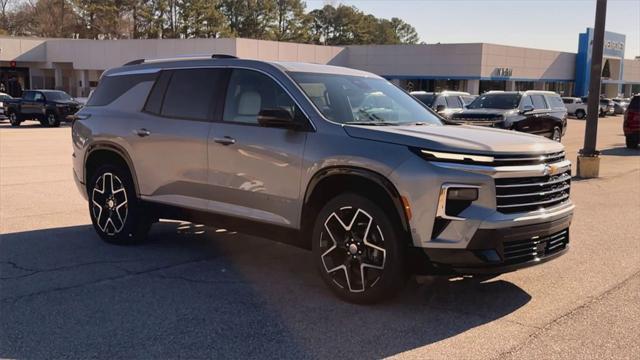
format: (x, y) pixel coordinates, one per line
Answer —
(50, 107)
(575, 107)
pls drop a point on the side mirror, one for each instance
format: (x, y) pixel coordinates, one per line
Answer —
(527, 109)
(276, 117)
(440, 108)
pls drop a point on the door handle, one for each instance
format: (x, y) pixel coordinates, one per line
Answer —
(142, 132)
(227, 140)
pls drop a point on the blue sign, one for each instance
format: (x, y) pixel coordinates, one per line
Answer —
(614, 45)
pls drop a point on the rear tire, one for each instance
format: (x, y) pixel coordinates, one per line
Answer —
(632, 141)
(358, 249)
(116, 212)
(580, 114)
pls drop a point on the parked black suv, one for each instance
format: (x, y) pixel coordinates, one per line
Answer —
(536, 112)
(50, 107)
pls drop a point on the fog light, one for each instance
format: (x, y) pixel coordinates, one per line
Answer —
(454, 198)
(464, 194)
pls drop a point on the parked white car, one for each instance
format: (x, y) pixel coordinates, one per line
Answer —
(575, 106)
(3, 113)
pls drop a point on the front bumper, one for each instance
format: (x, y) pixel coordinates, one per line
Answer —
(495, 251)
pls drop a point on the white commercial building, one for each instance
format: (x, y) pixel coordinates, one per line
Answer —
(75, 65)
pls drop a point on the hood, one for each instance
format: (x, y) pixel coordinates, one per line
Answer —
(456, 138)
(487, 111)
(66, 102)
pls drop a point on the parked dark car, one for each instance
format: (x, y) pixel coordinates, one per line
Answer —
(631, 123)
(444, 103)
(536, 112)
(50, 107)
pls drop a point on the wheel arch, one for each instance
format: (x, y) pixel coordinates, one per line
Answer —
(329, 182)
(105, 152)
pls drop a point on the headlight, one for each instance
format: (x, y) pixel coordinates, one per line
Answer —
(456, 157)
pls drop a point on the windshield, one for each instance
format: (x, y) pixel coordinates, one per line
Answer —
(362, 100)
(58, 95)
(426, 99)
(496, 101)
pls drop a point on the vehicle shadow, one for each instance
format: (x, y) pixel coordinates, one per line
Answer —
(195, 292)
(620, 150)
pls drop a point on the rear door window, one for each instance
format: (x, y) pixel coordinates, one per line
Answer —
(453, 102)
(191, 94)
(154, 101)
(538, 102)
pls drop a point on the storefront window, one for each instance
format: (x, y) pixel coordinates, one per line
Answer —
(564, 88)
(488, 85)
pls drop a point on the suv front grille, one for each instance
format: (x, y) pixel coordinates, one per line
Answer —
(532, 193)
(520, 251)
(518, 160)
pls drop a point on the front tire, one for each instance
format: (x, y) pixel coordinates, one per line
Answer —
(358, 249)
(13, 119)
(52, 120)
(116, 212)
(632, 141)
(580, 114)
(556, 135)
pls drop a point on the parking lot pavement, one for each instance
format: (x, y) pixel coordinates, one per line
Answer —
(192, 292)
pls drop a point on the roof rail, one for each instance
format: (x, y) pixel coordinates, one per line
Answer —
(134, 62)
(223, 56)
(181, 57)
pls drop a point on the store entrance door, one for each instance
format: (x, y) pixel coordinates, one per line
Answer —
(13, 80)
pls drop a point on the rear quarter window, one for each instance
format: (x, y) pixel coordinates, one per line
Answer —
(112, 87)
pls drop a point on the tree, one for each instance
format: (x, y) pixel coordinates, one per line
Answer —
(291, 21)
(281, 20)
(249, 18)
(200, 18)
(406, 33)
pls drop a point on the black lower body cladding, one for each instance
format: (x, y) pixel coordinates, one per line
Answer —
(497, 251)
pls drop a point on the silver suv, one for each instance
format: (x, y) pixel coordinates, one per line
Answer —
(334, 159)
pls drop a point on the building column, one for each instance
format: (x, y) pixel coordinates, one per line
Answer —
(473, 87)
(510, 86)
(57, 73)
(627, 90)
(83, 83)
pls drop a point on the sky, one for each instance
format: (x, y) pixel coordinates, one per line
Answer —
(542, 24)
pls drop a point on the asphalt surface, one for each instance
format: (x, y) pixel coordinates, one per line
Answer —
(194, 292)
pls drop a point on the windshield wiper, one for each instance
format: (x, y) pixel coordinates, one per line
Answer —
(374, 123)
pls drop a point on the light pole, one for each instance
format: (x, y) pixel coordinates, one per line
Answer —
(588, 158)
